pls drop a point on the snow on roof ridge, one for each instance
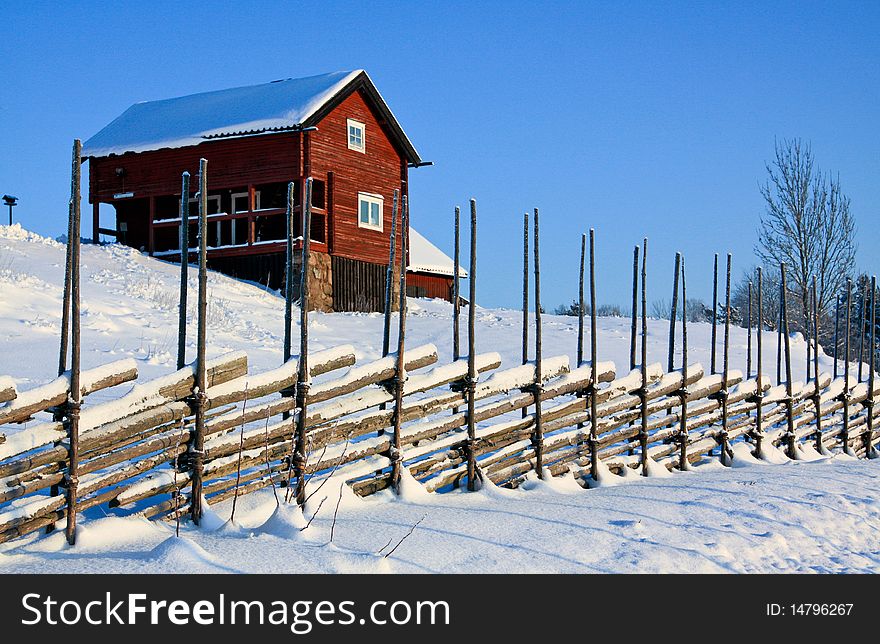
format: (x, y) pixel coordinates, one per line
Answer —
(425, 257)
(190, 119)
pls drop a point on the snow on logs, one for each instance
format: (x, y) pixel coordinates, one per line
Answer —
(21, 406)
(346, 426)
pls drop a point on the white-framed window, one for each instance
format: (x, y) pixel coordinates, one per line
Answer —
(370, 210)
(356, 135)
(241, 201)
(213, 206)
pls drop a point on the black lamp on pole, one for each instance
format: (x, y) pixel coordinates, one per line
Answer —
(10, 201)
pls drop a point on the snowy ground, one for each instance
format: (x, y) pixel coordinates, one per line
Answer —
(807, 516)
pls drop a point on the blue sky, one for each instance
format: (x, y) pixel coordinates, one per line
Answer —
(638, 119)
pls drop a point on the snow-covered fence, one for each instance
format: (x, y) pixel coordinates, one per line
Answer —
(131, 446)
(211, 430)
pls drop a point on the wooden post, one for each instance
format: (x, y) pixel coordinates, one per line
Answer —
(817, 393)
(96, 223)
(789, 403)
(68, 273)
(749, 336)
(288, 273)
(594, 371)
(473, 473)
(389, 286)
(525, 285)
(869, 401)
(400, 373)
(151, 239)
(836, 334)
(808, 340)
(759, 393)
(635, 310)
(184, 267)
(525, 300)
(633, 330)
(197, 444)
(389, 293)
(643, 390)
(74, 402)
(302, 374)
(714, 312)
(862, 317)
(782, 304)
(580, 343)
(726, 453)
(672, 314)
(538, 435)
(59, 414)
(845, 394)
(456, 289)
(683, 394)
(290, 249)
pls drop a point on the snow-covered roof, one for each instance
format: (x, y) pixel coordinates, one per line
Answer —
(190, 120)
(425, 257)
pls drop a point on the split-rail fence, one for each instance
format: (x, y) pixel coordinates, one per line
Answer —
(211, 430)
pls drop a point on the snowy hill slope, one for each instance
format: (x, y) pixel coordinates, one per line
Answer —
(806, 516)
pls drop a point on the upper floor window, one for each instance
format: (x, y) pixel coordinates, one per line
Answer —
(369, 211)
(356, 140)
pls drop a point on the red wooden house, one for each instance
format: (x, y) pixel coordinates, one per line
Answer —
(335, 128)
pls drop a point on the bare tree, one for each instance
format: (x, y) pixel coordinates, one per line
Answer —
(808, 226)
(740, 299)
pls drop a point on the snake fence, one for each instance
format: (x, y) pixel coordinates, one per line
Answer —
(211, 430)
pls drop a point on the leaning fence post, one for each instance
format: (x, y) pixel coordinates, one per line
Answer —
(749, 336)
(580, 343)
(58, 416)
(302, 373)
(400, 371)
(456, 286)
(184, 269)
(525, 298)
(74, 402)
(714, 312)
(197, 444)
(288, 392)
(643, 390)
(869, 401)
(473, 473)
(288, 273)
(726, 453)
(845, 394)
(817, 396)
(456, 293)
(634, 326)
(782, 304)
(836, 334)
(862, 316)
(389, 285)
(683, 394)
(538, 434)
(68, 273)
(672, 314)
(633, 329)
(789, 403)
(580, 339)
(389, 296)
(594, 371)
(759, 392)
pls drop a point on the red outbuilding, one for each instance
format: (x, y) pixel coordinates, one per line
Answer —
(335, 128)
